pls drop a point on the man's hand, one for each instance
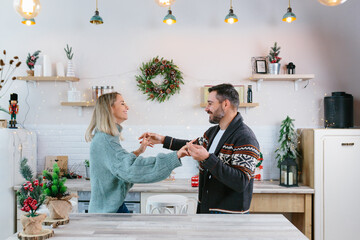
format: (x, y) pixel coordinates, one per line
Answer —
(197, 152)
(153, 138)
(182, 152)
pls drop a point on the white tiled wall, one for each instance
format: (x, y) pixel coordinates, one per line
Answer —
(69, 140)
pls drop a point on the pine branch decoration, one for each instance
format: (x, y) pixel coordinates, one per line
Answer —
(25, 170)
(54, 186)
(30, 196)
(68, 52)
(288, 141)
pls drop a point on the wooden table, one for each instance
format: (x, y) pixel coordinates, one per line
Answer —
(268, 197)
(200, 226)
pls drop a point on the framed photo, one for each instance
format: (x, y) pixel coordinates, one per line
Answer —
(261, 66)
(255, 67)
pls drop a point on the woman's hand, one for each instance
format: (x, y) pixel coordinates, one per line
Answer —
(153, 138)
(183, 152)
(144, 144)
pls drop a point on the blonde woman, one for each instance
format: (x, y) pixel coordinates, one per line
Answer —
(113, 169)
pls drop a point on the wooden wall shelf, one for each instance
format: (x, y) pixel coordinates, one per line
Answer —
(78, 104)
(241, 105)
(281, 77)
(49, 79)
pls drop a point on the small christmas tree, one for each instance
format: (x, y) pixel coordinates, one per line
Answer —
(288, 141)
(274, 54)
(30, 196)
(54, 186)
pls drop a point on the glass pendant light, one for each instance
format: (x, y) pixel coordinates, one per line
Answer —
(231, 17)
(165, 3)
(169, 18)
(289, 16)
(332, 2)
(28, 9)
(28, 22)
(96, 19)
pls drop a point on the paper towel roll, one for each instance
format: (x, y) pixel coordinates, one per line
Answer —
(47, 66)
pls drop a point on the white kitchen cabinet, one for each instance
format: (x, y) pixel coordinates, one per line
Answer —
(193, 199)
(331, 164)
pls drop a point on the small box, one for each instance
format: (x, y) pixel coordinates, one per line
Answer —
(3, 123)
(62, 162)
(205, 93)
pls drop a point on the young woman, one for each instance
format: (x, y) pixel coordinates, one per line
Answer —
(113, 169)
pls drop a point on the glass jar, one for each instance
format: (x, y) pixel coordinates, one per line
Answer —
(94, 92)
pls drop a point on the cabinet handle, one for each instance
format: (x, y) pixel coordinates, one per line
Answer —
(347, 144)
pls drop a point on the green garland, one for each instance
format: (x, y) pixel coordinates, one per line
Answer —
(170, 85)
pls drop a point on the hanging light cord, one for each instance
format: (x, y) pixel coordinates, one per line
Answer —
(231, 4)
(98, 9)
(289, 4)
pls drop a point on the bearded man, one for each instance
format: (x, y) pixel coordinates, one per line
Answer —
(227, 155)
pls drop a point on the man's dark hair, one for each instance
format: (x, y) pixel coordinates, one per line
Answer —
(226, 91)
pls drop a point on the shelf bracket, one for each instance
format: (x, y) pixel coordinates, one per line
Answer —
(80, 110)
(33, 82)
(258, 84)
(296, 83)
(70, 84)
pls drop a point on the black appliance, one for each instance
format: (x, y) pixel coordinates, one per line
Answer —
(132, 201)
(339, 110)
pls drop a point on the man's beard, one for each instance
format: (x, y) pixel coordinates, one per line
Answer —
(217, 116)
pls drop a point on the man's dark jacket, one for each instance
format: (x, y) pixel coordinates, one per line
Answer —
(226, 178)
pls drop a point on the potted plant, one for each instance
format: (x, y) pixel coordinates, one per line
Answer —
(274, 59)
(70, 66)
(57, 197)
(31, 61)
(30, 197)
(288, 141)
(87, 168)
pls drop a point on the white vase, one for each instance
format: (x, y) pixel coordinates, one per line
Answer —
(274, 68)
(70, 69)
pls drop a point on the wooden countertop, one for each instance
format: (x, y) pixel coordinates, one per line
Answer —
(183, 185)
(200, 226)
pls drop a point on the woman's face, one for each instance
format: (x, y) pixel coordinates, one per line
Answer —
(119, 110)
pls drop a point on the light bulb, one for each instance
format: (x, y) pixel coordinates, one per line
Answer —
(231, 20)
(332, 2)
(27, 8)
(169, 21)
(164, 3)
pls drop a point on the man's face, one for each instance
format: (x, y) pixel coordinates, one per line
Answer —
(13, 102)
(214, 109)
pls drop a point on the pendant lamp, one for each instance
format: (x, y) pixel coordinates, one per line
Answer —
(231, 17)
(289, 15)
(332, 2)
(28, 22)
(96, 19)
(165, 3)
(169, 19)
(28, 9)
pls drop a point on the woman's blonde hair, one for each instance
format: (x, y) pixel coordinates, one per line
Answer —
(102, 118)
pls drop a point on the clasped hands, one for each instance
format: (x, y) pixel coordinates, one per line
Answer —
(197, 152)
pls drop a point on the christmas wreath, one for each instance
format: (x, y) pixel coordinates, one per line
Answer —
(170, 84)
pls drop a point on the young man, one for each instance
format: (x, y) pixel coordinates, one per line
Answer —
(226, 153)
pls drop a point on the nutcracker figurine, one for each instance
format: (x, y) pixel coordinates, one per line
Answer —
(13, 109)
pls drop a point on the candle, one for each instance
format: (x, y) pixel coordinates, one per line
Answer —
(291, 178)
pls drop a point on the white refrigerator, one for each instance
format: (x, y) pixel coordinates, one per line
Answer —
(15, 144)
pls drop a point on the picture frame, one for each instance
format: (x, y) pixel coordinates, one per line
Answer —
(254, 65)
(261, 66)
